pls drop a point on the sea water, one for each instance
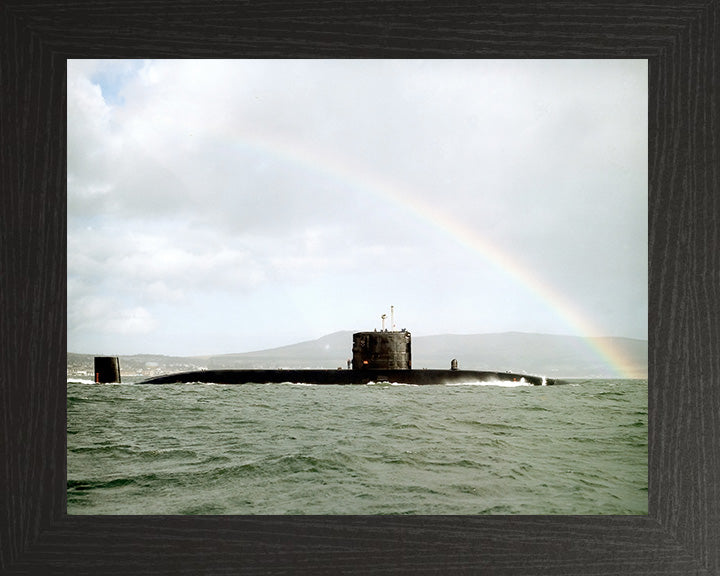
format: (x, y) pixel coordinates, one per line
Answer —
(293, 448)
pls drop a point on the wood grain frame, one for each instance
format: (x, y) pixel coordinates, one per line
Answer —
(681, 533)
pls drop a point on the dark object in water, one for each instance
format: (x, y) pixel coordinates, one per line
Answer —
(382, 350)
(418, 377)
(107, 369)
(383, 356)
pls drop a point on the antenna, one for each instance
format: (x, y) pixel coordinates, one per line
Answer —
(383, 321)
(392, 318)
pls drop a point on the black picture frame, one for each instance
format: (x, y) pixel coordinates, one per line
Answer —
(681, 533)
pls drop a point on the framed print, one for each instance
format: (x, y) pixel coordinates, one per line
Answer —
(679, 532)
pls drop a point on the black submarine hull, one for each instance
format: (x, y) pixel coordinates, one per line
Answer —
(324, 376)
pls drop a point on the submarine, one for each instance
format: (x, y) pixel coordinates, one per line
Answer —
(377, 357)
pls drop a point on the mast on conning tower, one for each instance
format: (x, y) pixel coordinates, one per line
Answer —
(392, 318)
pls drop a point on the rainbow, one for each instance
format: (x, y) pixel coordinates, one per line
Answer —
(333, 164)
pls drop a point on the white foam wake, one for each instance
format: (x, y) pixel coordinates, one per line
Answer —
(503, 383)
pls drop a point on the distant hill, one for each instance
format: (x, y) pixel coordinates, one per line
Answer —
(542, 354)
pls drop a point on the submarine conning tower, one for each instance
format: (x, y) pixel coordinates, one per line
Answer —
(384, 350)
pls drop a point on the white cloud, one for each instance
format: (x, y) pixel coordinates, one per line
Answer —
(109, 315)
(232, 180)
(132, 321)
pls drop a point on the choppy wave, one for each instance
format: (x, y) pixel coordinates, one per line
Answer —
(503, 383)
(478, 448)
(79, 381)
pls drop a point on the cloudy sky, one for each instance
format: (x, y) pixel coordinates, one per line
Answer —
(229, 206)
